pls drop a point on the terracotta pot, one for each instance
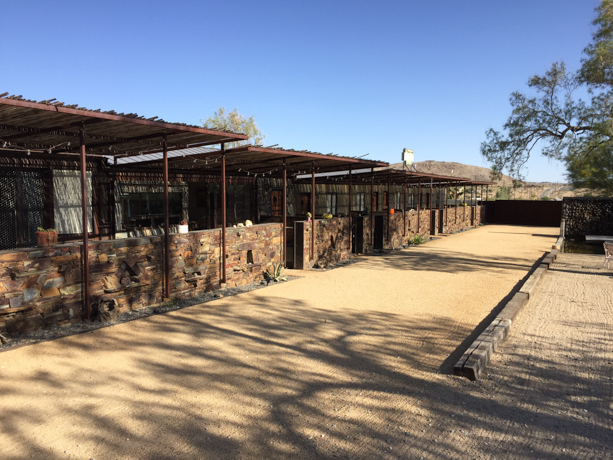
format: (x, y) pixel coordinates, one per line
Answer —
(391, 211)
(46, 239)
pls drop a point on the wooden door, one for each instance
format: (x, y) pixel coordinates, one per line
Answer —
(276, 200)
(304, 203)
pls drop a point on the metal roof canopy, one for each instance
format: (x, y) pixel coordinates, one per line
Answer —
(254, 160)
(394, 176)
(53, 127)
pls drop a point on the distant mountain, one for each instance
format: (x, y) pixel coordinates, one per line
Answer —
(526, 191)
(451, 168)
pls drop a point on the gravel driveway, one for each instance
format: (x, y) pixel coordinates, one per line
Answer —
(353, 362)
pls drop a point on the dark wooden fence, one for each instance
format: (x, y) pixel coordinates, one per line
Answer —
(524, 212)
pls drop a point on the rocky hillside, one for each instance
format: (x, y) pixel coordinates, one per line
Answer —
(525, 190)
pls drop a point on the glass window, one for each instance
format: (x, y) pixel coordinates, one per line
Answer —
(147, 209)
(331, 203)
(358, 202)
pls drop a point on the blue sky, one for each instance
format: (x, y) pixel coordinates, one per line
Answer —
(348, 77)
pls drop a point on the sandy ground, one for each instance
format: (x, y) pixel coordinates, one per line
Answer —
(353, 362)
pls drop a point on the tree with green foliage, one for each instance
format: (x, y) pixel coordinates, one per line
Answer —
(576, 132)
(236, 123)
(503, 193)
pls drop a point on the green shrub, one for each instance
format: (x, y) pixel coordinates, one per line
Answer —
(417, 239)
(275, 273)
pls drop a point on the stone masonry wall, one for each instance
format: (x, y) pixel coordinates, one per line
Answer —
(41, 288)
(587, 216)
(424, 223)
(459, 218)
(396, 229)
(332, 241)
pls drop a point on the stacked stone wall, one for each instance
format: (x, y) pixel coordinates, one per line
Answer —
(332, 241)
(368, 246)
(40, 288)
(460, 218)
(397, 231)
(587, 216)
(424, 223)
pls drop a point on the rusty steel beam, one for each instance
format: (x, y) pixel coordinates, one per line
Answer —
(86, 299)
(312, 211)
(27, 131)
(284, 214)
(249, 148)
(389, 207)
(166, 222)
(350, 218)
(455, 215)
(418, 206)
(446, 208)
(404, 210)
(223, 213)
(372, 216)
(110, 117)
(481, 205)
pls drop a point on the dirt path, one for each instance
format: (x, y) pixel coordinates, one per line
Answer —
(347, 363)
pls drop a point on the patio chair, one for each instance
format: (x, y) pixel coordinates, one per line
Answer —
(608, 253)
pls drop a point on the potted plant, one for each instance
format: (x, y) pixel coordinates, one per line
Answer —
(308, 217)
(46, 237)
(183, 227)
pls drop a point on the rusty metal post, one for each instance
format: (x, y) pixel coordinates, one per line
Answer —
(445, 211)
(404, 209)
(455, 214)
(350, 218)
(473, 202)
(85, 261)
(284, 213)
(464, 210)
(418, 207)
(223, 213)
(389, 207)
(372, 216)
(312, 211)
(481, 205)
(166, 223)
(113, 205)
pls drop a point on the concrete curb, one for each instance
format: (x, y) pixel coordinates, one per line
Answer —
(476, 358)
